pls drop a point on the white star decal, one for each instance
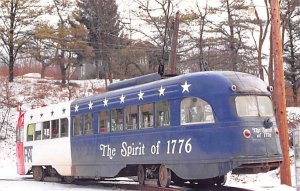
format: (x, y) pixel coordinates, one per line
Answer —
(105, 102)
(161, 91)
(90, 105)
(141, 94)
(122, 99)
(185, 87)
(76, 107)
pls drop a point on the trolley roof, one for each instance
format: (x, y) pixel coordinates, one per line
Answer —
(50, 112)
(140, 90)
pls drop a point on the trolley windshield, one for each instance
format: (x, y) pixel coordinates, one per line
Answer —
(248, 106)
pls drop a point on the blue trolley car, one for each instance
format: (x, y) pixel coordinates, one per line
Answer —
(192, 127)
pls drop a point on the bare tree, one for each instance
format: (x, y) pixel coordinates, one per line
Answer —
(6, 104)
(65, 43)
(263, 30)
(197, 27)
(16, 17)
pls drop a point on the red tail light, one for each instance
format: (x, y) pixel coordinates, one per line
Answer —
(247, 133)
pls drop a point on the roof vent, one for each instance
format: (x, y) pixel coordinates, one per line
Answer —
(134, 81)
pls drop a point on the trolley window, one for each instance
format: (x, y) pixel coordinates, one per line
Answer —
(30, 130)
(248, 106)
(162, 114)
(77, 124)
(54, 128)
(103, 122)
(195, 110)
(20, 135)
(117, 120)
(64, 127)
(146, 116)
(131, 114)
(38, 131)
(88, 124)
(46, 130)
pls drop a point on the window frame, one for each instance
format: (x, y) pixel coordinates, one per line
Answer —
(32, 125)
(89, 131)
(41, 131)
(119, 125)
(60, 127)
(204, 121)
(141, 116)
(45, 136)
(128, 119)
(52, 129)
(106, 122)
(156, 114)
(80, 125)
(256, 103)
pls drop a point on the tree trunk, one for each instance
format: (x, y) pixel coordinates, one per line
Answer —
(11, 63)
(11, 71)
(259, 59)
(201, 66)
(295, 93)
(231, 39)
(63, 73)
(43, 71)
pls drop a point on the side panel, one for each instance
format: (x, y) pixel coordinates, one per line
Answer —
(184, 150)
(54, 152)
(192, 152)
(48, 151)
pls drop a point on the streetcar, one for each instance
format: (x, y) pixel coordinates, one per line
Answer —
(191, 128)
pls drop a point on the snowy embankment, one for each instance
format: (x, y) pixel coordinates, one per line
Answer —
(30, 90)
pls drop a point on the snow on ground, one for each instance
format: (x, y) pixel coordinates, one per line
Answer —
(30, 90)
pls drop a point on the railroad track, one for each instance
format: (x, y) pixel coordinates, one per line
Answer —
(132, 185)
(152, 186)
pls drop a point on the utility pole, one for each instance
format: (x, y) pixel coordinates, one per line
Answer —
(279, 92)
(172, 56)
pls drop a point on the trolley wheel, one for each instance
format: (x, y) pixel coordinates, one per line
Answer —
(178, 181)
(38, 173)
(221, 180)
(141, 173)
(68, 179)
(164, 176)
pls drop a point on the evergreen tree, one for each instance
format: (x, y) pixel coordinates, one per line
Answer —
(103, 23)
(292, 52)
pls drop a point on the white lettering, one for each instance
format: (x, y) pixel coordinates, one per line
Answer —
(176, 146)
(107, 151)
(256, 130)
(155, 148)
(132, 150)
